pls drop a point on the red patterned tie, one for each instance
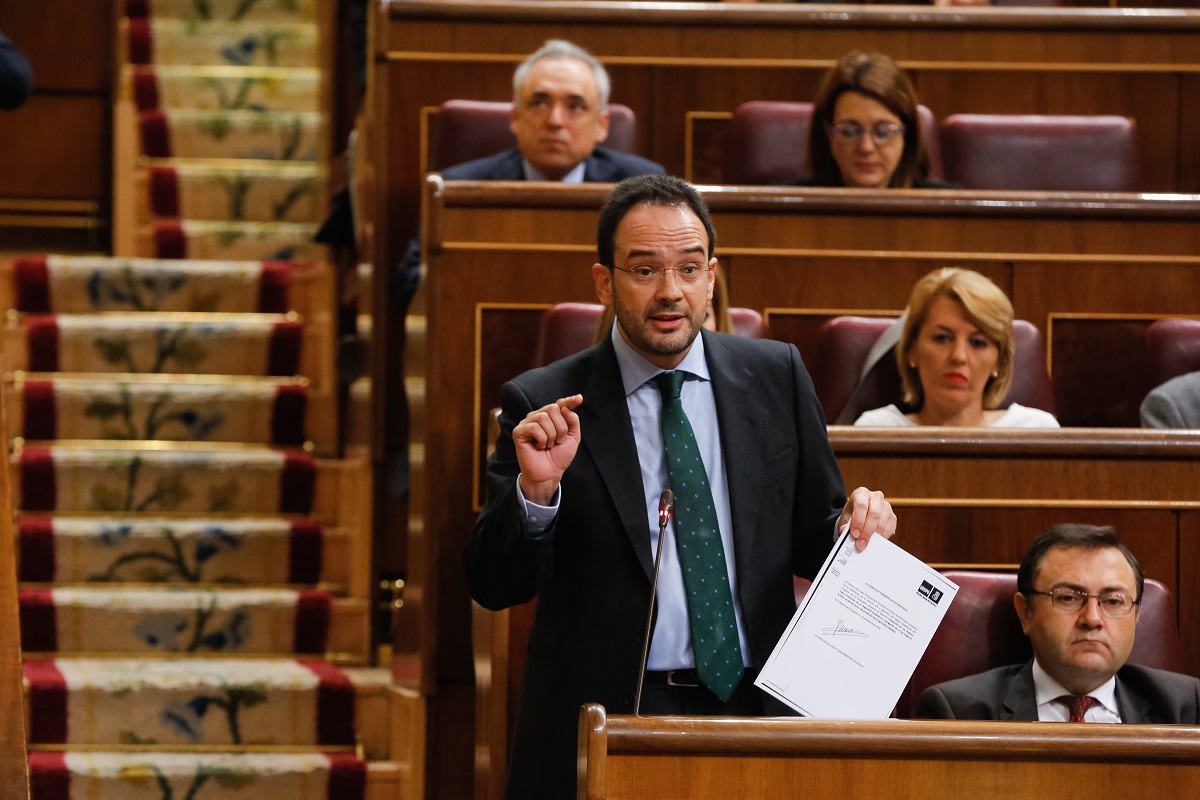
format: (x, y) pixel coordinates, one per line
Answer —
(1078, 706)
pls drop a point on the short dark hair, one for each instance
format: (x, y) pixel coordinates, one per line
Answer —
(1074, 535)
(650, 190)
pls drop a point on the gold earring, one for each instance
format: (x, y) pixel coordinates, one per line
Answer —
(912, 365)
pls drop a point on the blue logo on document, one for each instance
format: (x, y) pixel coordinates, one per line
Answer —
(930, 593)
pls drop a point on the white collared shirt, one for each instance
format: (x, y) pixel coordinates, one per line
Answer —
(1048, 693)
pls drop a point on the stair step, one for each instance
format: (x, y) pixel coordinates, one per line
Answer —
(91, 284)
(264, 703)
(223, 88)
(195, 344)
(149, 775)
(207, 239)
(175, 408)
(151, 480)
(234, 192)
(146, 550)
(256, 135)
(171, 621)
(237, 44)
(230, 10)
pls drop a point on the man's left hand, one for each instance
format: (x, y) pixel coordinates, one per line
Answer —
(869, 514)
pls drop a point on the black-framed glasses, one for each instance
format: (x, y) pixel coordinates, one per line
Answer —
(881, 133)
(648, 276)
(1072, 601)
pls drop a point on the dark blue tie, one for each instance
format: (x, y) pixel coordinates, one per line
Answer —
(701, 554)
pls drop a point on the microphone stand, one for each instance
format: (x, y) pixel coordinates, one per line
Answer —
(666, 505)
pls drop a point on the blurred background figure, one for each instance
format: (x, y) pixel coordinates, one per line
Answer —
(956, 355)
(16, 76)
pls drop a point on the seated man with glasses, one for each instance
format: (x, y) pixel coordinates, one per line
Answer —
(1079, 592)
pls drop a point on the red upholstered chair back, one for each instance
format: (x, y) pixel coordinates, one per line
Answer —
(468, 129)
(768, 143)
(981, 631)
(748, 322)
(568, 328)
(845, 342)
(1172, 349)
(1048, 153)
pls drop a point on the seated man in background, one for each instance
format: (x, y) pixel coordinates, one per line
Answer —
(1078, 672)
(1174, 404)
(559, 117)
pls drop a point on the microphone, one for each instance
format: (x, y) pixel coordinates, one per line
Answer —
(666, 506)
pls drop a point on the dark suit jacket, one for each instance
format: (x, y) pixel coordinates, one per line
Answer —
(591, 572)
(602, 166)
(1144, 695)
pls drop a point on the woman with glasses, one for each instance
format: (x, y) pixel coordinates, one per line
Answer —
(865, 131)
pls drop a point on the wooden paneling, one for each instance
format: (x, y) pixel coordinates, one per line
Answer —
(65, 41)
(669, 61)
(14, 776)
(671, 757)
(55, 166)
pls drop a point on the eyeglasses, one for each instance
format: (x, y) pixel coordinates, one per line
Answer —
(688, 274)
(1071, 601)
(881, 133)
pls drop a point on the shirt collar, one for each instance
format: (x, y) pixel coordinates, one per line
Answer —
(636, 370)
(574, 176)
(1046, 689)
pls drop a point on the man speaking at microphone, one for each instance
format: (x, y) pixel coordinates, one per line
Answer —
(586, 447)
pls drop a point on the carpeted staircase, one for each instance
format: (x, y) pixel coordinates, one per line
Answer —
(193, 557)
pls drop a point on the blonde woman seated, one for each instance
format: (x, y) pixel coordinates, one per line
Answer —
(956, 356)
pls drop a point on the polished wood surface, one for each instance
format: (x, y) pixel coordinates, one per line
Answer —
(670, 62)
(14, 770)
(701, 758)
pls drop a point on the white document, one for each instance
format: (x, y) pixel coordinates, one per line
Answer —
(859, 633)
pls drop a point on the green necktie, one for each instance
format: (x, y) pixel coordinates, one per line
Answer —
(701, 554)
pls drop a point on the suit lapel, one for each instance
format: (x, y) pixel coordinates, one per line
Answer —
(1020, 704)
(738, 414)
(1132, 708)
(511, 167)
(608, 436)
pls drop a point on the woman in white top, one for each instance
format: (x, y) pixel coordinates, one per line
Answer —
(956, 357)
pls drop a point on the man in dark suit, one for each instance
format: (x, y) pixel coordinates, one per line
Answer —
(560, 118)
(574, 486)
(1078, 672)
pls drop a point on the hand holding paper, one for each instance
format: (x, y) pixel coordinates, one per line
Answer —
(859, 633)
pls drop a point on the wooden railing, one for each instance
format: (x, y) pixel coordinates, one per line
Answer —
(14, 768)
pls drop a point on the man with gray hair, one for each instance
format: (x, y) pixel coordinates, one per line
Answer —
(560, 118)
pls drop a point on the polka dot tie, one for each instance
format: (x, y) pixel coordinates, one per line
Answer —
(701, 554)
(1077, 705)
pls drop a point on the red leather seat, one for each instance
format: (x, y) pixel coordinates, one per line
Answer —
(568, 328)
(468, 129)
(1047, 153)
(981, 631)
(768, 143)
(845, 342)
(1172, 349)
